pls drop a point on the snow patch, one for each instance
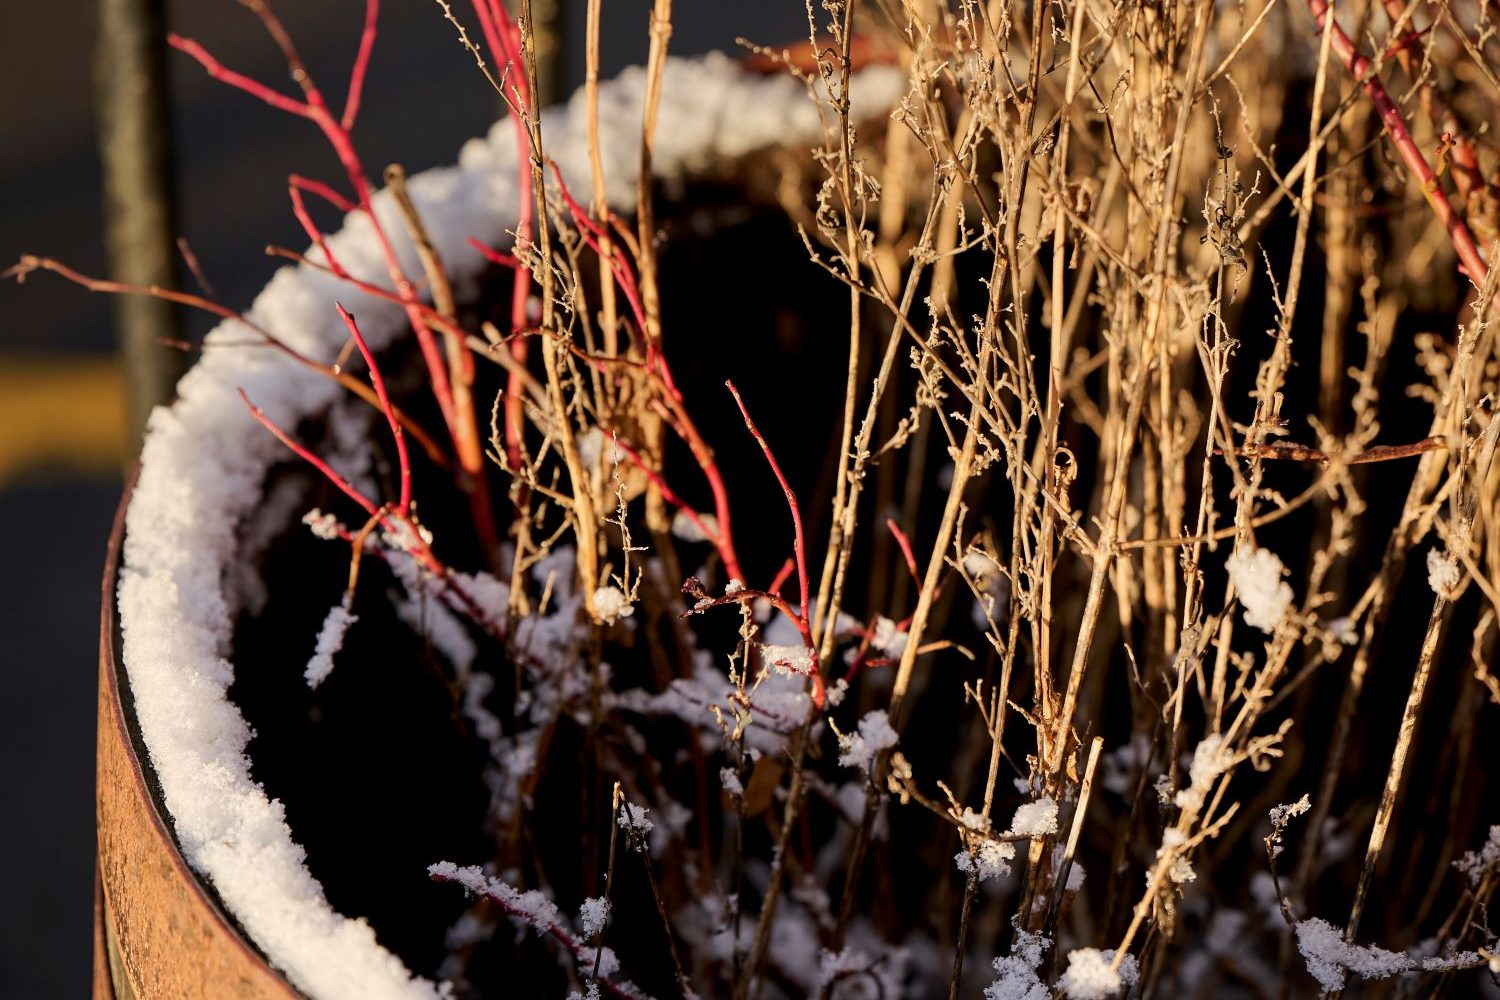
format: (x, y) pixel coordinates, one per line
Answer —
(1442, 572)
(860, 748)
(1266, 597)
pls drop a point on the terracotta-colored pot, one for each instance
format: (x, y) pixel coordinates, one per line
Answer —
(159, 932)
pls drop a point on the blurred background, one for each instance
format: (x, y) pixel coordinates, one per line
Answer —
(66, 441)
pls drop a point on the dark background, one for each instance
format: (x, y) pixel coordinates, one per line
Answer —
(61, 410)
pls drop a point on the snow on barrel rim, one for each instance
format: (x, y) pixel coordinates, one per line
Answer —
(193, 489)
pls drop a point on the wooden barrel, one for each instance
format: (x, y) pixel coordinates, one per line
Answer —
(159, 932)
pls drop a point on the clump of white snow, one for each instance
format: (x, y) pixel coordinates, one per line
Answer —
(1442, 572)
(324, 526)
(634, 821)
(1090, 975)
(1076, 872)
(610, 605)
(1266, 597)
(861, 747)
(990, 859)
(1035, 819)
(1474, 865)
(788, 659)
(593, 915)
(1181, 870)
(1016, 974)
(1282, 815)
(330, 641)
(1210, 759)
(887, 639)
(1330, 958)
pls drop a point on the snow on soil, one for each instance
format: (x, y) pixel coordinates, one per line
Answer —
(205, 460)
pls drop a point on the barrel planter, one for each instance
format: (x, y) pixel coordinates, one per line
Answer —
(203, 890)
(157, 931)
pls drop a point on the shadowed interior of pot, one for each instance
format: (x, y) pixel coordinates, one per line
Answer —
(379, 771)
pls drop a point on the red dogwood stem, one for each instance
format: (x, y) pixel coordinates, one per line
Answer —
(1359, 65)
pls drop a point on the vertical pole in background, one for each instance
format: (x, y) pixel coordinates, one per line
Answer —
(139, 223)
(548, 31)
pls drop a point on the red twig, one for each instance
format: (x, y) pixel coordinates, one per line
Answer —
(495, 256)
(315, 109)
(299, 209)
(719, 538)
(306, 454)
(799, 548)
(403, 506)
(502, 36)
(782, 575)
(1466, 174)
(324, 191)
(361, 66)
(1359, 66)
(31, 263)
(460, 421)
(905, 543)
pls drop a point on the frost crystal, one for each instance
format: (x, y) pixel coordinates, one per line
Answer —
(1210, 760)
(887, 639)
(330, 641)
(859, 749)
(1343, 630)
(991, 859)
(1090, 977)
(788, 659)
(1282, 815)
(324, 526)
(1076, 871)
(1329, 957)
(633, 820)
(1035, 819)
(1256, 574)
(610, 605)
(593, 915)
(1015, 975)
(1473, 865)
(1181, 870)
(1442, 572)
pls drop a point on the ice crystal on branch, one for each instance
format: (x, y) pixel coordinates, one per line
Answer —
(861, 747)
(1265, 596)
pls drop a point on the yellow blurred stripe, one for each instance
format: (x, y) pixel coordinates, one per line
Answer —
(60, 412)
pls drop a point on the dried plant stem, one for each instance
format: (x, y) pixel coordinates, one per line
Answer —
(1458, 540)
(460, 365)
(1125, 440)
(609, 320)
